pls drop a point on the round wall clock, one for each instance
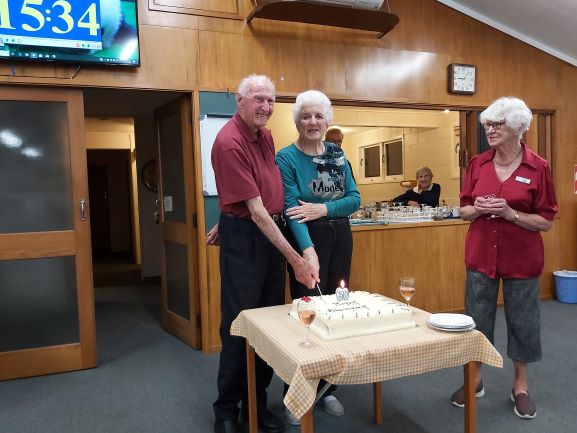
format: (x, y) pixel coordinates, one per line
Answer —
(148, 175)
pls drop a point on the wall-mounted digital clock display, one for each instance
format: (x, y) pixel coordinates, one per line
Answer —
(95, 31)
(66, 23)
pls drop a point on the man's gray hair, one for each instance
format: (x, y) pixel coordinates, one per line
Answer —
(510, 109)
(311, 97)
(247, 84)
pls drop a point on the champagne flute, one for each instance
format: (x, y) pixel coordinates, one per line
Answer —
(307, 311)
(407, 288)
(491, 196)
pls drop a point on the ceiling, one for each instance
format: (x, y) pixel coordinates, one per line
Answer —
(550, 25)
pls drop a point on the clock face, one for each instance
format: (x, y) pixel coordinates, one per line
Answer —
(462, 78)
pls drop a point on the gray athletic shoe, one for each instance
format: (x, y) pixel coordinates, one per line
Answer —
(332, 405)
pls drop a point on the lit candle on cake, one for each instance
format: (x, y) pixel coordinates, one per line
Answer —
(342, 293)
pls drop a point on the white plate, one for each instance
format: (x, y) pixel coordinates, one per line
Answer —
(438, 328)
(450, 320)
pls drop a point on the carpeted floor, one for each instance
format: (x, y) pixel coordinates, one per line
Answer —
(149, 382)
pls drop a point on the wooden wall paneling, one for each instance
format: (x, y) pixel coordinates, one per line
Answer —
(300, 69)
(433, 254)
(236, 56)
(190, 140)
(213, 269)
(393, 75)
(205, 300)
(168, 62)
(169, 59)
(214, 8)
(151, 17)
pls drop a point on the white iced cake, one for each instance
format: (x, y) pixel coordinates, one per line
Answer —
(363, 313)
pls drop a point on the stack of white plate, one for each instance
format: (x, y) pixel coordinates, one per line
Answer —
(451, 322)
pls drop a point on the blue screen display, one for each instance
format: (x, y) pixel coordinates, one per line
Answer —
(82, 31)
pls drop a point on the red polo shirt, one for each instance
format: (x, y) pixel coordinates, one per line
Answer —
(495, 246)
(244, 168)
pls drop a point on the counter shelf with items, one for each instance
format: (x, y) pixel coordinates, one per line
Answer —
(400, 214)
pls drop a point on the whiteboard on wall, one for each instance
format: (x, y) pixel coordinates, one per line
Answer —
(209, 127)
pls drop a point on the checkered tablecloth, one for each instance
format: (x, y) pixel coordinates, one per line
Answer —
(275, 337)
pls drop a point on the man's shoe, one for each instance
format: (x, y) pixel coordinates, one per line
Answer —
(332, 405)
(226, 426)
(291, 419)
(458, 397)
(524, 406)
(268, 422)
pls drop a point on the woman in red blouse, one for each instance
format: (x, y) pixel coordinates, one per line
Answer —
(509, 197)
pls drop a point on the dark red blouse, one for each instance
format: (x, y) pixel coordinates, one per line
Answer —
(495, 246)
(244, 168)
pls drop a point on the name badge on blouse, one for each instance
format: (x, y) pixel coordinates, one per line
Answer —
(318, 160)
(523, 180)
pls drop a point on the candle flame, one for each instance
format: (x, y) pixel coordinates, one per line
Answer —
(342, 283)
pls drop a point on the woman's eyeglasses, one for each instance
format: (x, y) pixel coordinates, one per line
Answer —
(495, 125)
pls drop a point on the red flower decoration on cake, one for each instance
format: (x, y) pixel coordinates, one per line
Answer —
(306, 299)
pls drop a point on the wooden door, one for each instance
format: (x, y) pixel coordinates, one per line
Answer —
(180, 294)
(46, 294)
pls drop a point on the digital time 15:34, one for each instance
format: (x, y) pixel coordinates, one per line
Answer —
(51, 19)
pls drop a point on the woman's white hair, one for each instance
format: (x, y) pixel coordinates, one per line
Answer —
(513, 111)
(424, 170)
(247, 84)
(313, 97)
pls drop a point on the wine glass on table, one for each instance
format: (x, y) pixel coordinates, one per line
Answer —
(307, 311)
(491, 196)
(407, 288)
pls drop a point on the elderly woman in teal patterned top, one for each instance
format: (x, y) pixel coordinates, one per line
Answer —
(320, 194)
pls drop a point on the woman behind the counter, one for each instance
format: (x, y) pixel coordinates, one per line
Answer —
(426, 192)
(320, 194)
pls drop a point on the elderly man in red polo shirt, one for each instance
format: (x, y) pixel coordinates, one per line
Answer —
(252, 246)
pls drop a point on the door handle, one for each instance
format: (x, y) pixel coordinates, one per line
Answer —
(83, 209)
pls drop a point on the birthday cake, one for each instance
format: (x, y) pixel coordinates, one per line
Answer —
(362, 313)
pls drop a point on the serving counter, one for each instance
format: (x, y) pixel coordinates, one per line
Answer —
(432, 252)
